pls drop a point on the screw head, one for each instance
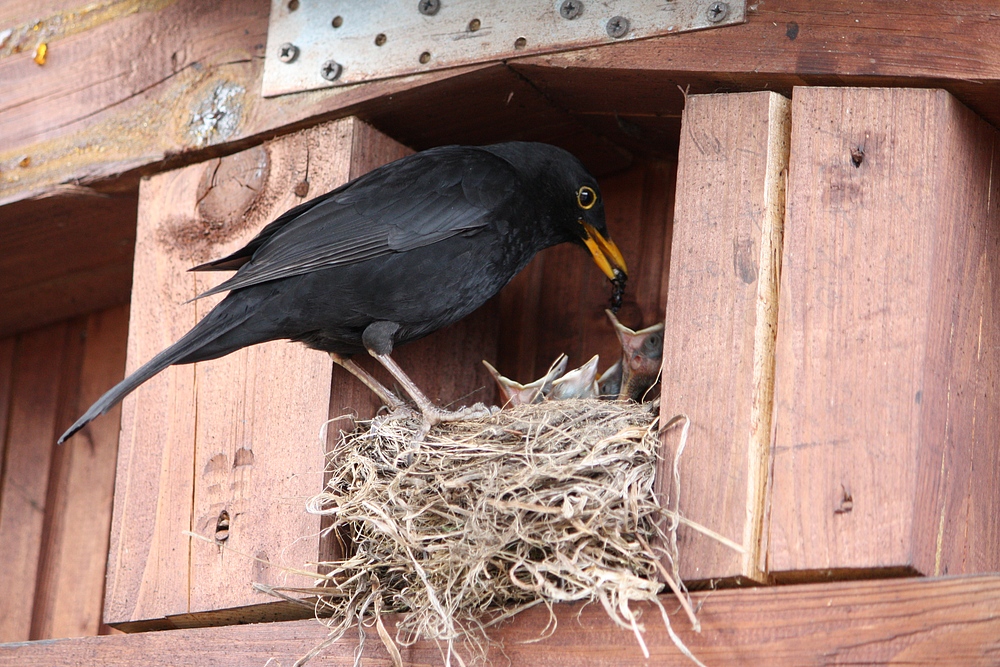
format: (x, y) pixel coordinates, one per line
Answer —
(570, 9)
(717, 11)
(288, 52)
(618, 27)
(331, 70)
(428, 7)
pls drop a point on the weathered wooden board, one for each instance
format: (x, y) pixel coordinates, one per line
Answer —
(721, 317)
(70, 593)
(30, 436)
(55, 504)
(887, 365)
(104, 76)
(7, 346)
(235, 435)
(72, 260)
(920, 622)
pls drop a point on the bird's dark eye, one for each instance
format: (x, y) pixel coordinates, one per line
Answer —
(586, 197)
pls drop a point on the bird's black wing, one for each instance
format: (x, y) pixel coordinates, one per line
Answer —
(237, 259)
(417, 201)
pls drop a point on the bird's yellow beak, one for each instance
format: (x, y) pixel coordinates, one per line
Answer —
(606, 254)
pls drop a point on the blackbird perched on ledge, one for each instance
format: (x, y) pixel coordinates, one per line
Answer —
(392, 256)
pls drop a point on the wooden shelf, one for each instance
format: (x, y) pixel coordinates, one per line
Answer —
(952, 620)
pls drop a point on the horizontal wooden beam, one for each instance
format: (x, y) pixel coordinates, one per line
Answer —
(109, 99)
(949, 620)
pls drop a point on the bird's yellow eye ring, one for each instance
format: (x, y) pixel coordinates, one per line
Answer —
(586, 198)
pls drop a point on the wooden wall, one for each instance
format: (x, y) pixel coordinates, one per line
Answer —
(55, 502)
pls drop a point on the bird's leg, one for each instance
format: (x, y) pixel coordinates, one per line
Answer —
(390, 399)
(433, 415)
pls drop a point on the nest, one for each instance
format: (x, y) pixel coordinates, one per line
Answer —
(484, 518)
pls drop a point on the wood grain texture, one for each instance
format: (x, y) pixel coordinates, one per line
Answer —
(207, 62)
(7, 346)
(919, 622)
(30, 438)
(720, 322)
(66, 255)
(885, 398)
(70, 594)
(782, 44)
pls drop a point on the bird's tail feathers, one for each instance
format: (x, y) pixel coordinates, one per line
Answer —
(185, 350)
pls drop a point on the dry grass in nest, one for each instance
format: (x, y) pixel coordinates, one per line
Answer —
(484, 518)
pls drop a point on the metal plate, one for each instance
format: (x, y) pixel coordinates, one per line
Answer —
(321, 43)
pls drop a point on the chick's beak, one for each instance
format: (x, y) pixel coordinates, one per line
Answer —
(606, 254)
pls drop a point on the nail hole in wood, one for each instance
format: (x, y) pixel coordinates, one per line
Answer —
(857, 156)
(222, 527)
(846, 502)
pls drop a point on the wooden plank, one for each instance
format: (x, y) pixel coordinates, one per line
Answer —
(104, 73)
(30, 439)
(720, 323)
(957, 511)
(64, 392)
(950, 620)
(886, 366)
(7, 346)
(257, 452)
(237, 435)
(785, 43)
(556, 305)
(69, 600)
(65, 256)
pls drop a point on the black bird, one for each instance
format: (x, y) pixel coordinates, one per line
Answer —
(392, 256)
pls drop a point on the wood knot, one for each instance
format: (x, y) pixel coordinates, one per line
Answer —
(227, 193)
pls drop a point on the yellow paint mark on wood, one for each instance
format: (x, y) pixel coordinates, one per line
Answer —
(41, 52)
(144, 132)
(39, 32)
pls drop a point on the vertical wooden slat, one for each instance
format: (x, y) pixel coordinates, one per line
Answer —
(237, 435)
(7, 346)
(70, 594)
(30, 439)
(258, 454)
(720, 322)
(957, 522)
(154, 481)
(887, 364)
(64, 393)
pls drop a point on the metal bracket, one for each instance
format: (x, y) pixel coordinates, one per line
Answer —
(322, 43)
